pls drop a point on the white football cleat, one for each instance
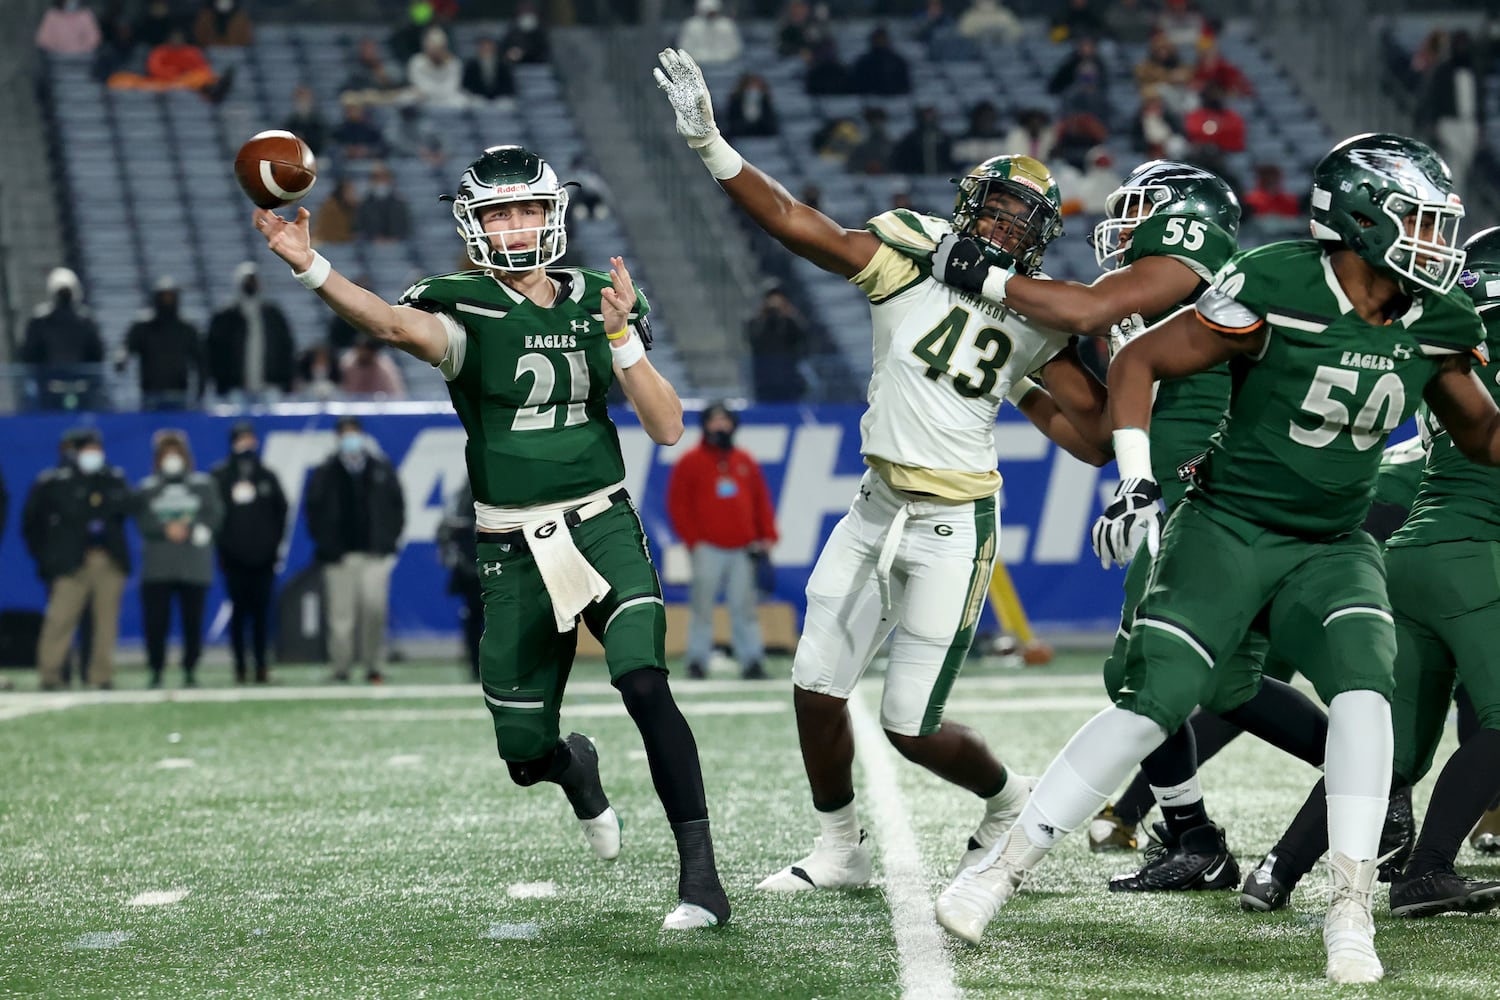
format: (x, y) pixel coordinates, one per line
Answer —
(603, 833)
(1349, 928)
(967, 906)
(829, 866)
(997, 821)
(689, 917)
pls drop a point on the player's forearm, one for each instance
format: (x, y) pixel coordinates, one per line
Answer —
(804, 231)
(1062, 305)
(654, 400)
(1131, 378)
(361, 307)
(1042, 410)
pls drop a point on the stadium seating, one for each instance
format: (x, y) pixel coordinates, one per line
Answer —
(1283, 127)
(151, 191)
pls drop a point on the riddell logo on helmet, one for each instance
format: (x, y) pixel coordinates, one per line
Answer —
(1023, 179)
(511, 188)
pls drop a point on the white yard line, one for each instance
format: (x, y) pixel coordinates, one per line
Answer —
(605, 709)
(926, 969)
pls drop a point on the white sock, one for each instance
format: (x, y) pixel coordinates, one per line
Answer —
(1096, 760)
(1358, 769)
(840, 826)
(1185, 794)
(1014, 791)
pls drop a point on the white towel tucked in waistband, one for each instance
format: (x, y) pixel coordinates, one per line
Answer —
(571, 582)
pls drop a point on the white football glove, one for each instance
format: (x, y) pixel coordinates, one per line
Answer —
(1124, 332)
(682, 80)
(1135, 514)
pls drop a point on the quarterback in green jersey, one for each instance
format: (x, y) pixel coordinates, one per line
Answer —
(1170, 228)
(1332, 343)
(529, 351)
(1444, 571)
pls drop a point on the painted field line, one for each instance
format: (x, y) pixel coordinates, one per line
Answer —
(926, 969)
(1057, 703)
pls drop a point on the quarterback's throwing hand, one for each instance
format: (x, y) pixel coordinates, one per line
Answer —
(290, 241)
(682, 81)
(1135, 514)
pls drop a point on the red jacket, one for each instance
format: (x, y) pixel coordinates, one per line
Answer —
(720, 497)
(1222, 127)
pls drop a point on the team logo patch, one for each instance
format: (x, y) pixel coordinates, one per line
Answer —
(547, 530)
(942, 529)
(1468, 278)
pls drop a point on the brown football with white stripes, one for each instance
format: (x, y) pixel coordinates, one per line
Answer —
(275, 168)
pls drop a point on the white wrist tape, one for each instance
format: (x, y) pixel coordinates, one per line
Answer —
(995, 282)
(1018, 391)
(720, 158)
(317, 272)
(1133, 453)
(627, 351)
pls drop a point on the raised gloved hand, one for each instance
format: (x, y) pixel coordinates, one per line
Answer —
(960, 262)
(1136, 513)
(1124, 332)
(682, 81)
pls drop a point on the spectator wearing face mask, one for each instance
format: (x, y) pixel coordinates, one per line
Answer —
(249, 544)
(249, 342)
(168, 350)
(383, 215)
(68, 29)
(63, 346)
(356, 513)
(487, 75)
(751, 111)
(435, 73)
(179, 514)
(526, 41)
(75, 530)
(721, 510)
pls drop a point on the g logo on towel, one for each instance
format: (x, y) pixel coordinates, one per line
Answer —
(547, 530)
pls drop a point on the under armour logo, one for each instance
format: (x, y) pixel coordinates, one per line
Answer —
(864, 491)
(960, 265)
(492, 569)
(547, 530)
(1401, 351)
(578, 325)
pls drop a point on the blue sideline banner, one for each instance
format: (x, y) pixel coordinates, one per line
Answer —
(810, 456)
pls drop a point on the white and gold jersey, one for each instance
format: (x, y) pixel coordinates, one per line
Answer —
(943, 362)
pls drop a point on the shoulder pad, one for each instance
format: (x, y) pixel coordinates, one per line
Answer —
(1202, 245)
(443, 291)
(908, 232)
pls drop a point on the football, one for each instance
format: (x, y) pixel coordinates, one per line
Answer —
(275, 168)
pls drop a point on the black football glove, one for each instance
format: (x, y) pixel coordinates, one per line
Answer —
(959, 263)
(1136, 513)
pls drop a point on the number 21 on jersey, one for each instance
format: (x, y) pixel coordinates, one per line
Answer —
(536, 414)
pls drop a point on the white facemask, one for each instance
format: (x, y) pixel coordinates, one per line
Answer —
(173, 465)
(90, 460)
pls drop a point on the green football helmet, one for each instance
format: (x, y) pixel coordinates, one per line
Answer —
(1481, 274)
(1390, 199)
(1029, 229)
(1169, 187)
(508, 174)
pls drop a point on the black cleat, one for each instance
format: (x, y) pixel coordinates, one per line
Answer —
(754, 672)
(1443, 891)
(1398, 836)
(1200, 860)
(1264, 891)
(580, 781)
(695, 671)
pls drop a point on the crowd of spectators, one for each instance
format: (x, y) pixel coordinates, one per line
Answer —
(193, 526)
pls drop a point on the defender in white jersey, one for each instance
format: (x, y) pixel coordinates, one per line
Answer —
(913, 556)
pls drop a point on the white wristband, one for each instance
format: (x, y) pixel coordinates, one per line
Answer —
(720, 158)
(995, 282)
(1133, 453)
(1020, 389)
(317, 272)
(627, 352)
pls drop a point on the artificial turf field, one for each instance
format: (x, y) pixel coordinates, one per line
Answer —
(307, 841)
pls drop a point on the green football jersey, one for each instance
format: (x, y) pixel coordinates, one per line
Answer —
(1401, 469)
(1300, 446)
(1458, 499)
(1187, 410)
(532, 386)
